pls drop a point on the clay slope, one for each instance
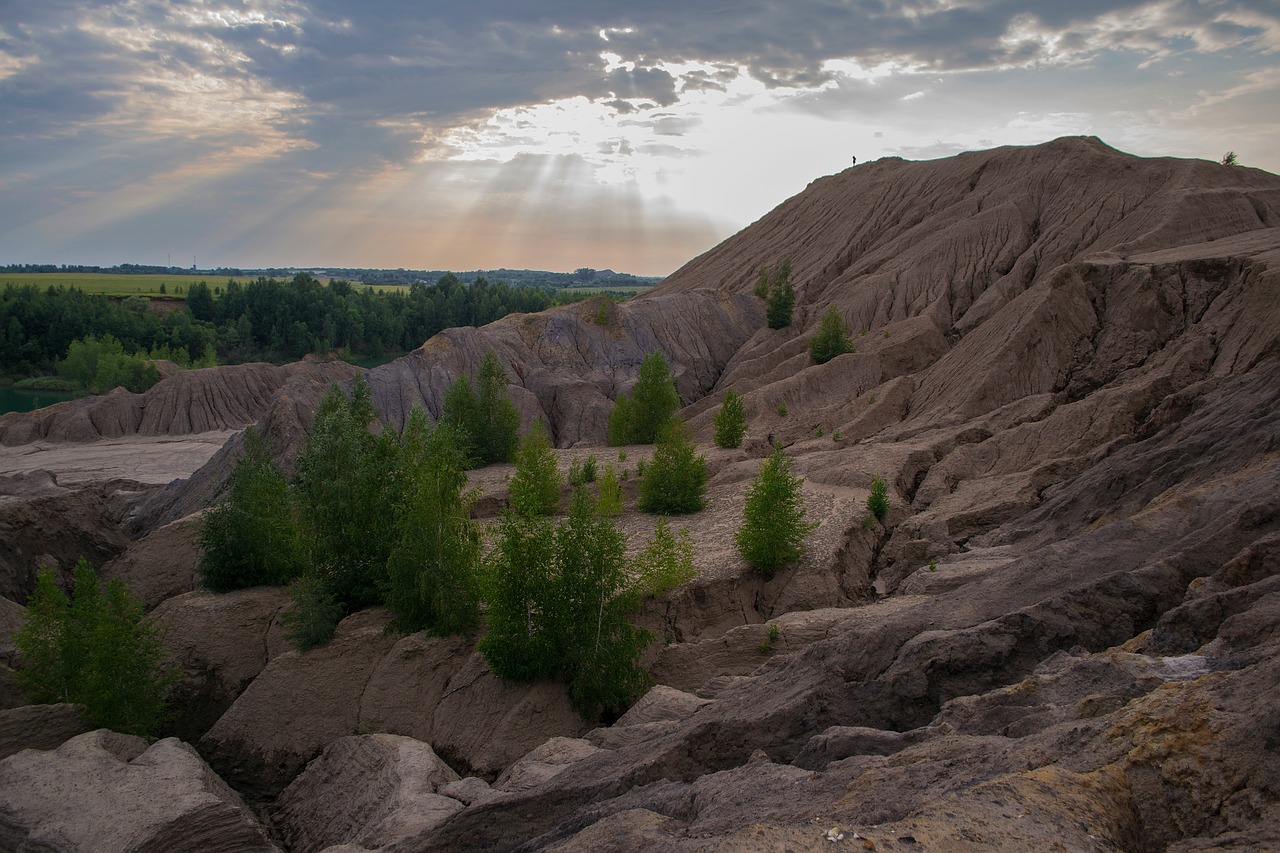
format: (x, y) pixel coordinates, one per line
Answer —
(188, 402)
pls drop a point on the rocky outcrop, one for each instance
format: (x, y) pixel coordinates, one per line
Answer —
(39, 727)
(111, 792)
(161, 566)
(219, 643)
(436, 690)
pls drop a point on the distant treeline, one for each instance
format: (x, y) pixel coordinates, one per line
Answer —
(581, 277)
(262, 320)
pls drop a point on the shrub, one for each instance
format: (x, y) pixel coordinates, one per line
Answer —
(610, 502)
(773, 526)
(782, 410)
(771, 636)
(832, 338)
(878, 500)
(251, 537)
(96, 650)
(675, 480)
(730, 421)
(1230, 159)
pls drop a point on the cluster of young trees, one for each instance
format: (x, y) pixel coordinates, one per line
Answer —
(95, 649)
(385, 518)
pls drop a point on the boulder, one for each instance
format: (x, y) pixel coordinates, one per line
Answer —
(110, 792)
(161, 565)
(377, 791)
(39, 727)
(219, 642)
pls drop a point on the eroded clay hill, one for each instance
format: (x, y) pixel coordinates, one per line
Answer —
(1065, 633)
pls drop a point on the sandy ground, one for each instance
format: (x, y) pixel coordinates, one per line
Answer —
(145, 460)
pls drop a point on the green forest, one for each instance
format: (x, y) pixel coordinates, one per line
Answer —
(263, 320)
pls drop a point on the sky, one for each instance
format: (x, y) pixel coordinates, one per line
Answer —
(480, 134)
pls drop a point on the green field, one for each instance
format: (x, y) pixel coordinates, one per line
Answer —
(115, 285)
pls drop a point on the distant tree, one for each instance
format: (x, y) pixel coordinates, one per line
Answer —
(433, 571)
(584, 273)
(1230, 159)
(200, 302)
(675, 481)
(832, 338)
(878, 500)
(251, 537)
(782, 298)
(773, 526)
(97, 650)
(535, 485)
(730, 421)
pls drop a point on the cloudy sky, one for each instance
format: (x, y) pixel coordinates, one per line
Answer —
(558, 134)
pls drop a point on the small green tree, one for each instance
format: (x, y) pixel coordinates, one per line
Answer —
(96, 650)
(610, 502)
(832, 338)
(1230, 159)
(251, 536)
(782, 298)
(433, 572)
(730, 421)
(782, 301)
(878, 500)
(460, 412)
(496, 429)
(665, 562)
(652, 402)
(535, 486)
(675, 481)
(346, 489)
(621, 421)
(773, 526)
(524, 615)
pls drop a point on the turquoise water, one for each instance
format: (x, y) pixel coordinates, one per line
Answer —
(12, 400)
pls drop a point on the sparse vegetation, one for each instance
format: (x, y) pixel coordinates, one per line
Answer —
(730, 421)
(832, 338)
(96, 649)
(782, 410)
(773, 526)
(771, 636)
(835, 436)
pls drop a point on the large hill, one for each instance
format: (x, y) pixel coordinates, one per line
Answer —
(1066, 631)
